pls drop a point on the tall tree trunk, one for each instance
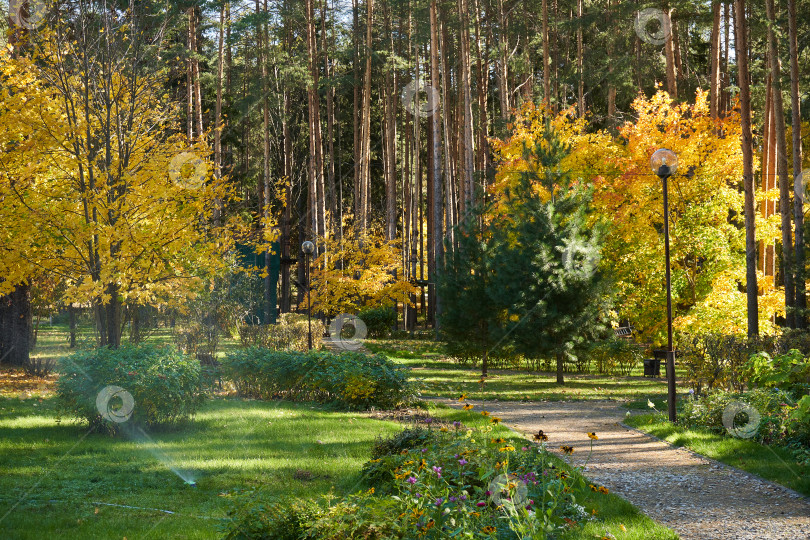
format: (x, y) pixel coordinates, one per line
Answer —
(317, 197)
(669, 51)
(356, 120)
(767, 252)
(218, 114)
(390, 138)
(546, 58)
(724, 94)
(285, 298)
(611, 100)
(467, 150)
(483, 88)
(798, 184)
(263, 39)
(503, 64)
(330, 128)
(365, 136)
(436, 163)
(581, 89)
(714, 71)
(195, 70)
(782, 166)
(741, 46)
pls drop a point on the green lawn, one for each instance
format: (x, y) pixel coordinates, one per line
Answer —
(445, 378)
(56, 474)
(772, 463)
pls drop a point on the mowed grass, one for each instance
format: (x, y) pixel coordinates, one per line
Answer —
(769, 462)
(57, 479)
(442, 377)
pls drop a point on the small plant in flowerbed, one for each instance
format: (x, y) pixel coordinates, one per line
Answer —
(350, 379)
(164, 383)
(437, 481)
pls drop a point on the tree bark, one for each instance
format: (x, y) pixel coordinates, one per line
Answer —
(714, 71)
(798, 182)
(782, 166)
(436, 151)
(741, 46)
(467, 150)
(669, 51)
(365, 151)
(15, 326)
(581, 89)
(218, 126)
(546, 58)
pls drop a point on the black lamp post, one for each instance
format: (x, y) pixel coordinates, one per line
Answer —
(664, 163)
(308, 248)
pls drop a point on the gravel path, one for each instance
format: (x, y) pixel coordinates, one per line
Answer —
(699, 498)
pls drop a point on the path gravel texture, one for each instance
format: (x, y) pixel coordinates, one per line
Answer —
(699, 498)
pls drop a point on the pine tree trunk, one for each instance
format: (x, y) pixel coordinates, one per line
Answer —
(714, 72)
(669, 51)
(782, 167)
(436, 163)
(195, 71)
(483, 88)
(741, 46)
(798, 183)
(263, 38)
(468, 152)
(546, 58)
(356, 110)
(285, 298)
(560, 365)
(611, 100)
(365, 152)
(581, 90)
(390, 140)
(503, 67)
(330, 132)
(218, 114)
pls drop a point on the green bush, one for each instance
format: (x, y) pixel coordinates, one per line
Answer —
(351, 379)
(164, 383)
(789, 371)
(379, 321)
(715, 361)
(279, 519)
(778, 423)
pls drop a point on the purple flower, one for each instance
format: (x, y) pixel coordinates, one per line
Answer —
(439, 501)
(418, 495)
(411, 480)
(480, 504)
(428, 420)
(462, 461)
(424, 450)
(456, 456)
(456, 424)
(452, 499)
(437, 470)
(488, 493)
(462, 497)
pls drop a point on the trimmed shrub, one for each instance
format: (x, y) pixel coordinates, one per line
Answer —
(164, 383)
(379, 321)
(350, 379)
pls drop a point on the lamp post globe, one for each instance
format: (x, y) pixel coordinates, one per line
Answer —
(664, 163)
(309, 249)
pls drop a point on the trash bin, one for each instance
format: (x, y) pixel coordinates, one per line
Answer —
(652, 367)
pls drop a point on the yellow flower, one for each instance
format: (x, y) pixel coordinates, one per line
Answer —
(541, 436)
(592, 436)
(462, 397)
(495, 420)
(499, 440)
(604, 490)
(484, 413)
(567, 449)
(370, 491)
(507, 448)
(467, 407)
(443, 429)
(489, 529)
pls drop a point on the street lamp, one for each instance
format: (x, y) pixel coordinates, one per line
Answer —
(664, 163)
(308, 248)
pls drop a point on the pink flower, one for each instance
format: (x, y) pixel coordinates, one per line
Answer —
(411, 480)
(480, 504)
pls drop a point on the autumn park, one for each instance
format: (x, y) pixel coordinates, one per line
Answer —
(405, 269)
